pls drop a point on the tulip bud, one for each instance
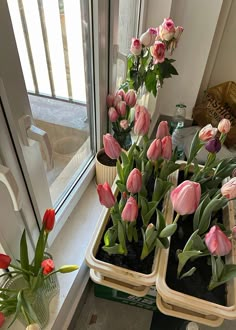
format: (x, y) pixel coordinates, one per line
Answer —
(113, 114)
(142, 123)
(166, 147)
(178, 31)
(134, 181)
(136, 46)
(110, 100)
(185, 197)
(2, 319)
(49, 220)
(111, 146)
(117, 99)
(5, 261)
(121, 92)
(68, 268)
(130, 211)
(33, 326)
(162, 130)
(148, 37)
(207, 132)
(131, 98)
(124, 124)
(106, 196)
(121, 108)
(158, 52)
(154, 151)
(224, 126)
(48, 266)
(167, 29)
(217, 242)
(213, 145)
(228, 190)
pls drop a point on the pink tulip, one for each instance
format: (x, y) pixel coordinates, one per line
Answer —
(131, 98)
(185, 197)
(136, 46)
(148, 37)
(167, 29)
(134, 181)
(162, 130)
(117, 99)
(110, 99)
(111, 146)
(113, 114)
(106, 197)
(121, 108)
(166, 147)
(48, 266)
(158, 52)
(5, 261)
(2, 319)
(154, 151)
(142, 123)
(217, 242)
(130, 211)
(124, 124)
(224, 126)
(121, 92)
(178, 31)
(49, 220)
(207, 132)
(228, 190)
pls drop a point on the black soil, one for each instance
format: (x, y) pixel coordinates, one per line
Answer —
(105, 160)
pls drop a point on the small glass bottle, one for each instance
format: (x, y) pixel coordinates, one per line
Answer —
(178, 119)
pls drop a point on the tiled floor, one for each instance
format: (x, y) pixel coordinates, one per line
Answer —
(100, 314)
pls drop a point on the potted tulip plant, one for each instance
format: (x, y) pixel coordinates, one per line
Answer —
(196, 274)
(29, 286)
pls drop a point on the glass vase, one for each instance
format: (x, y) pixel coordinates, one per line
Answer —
(124, 139)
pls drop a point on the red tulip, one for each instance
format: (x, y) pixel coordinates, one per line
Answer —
(2, 319)
(217, 242)
(162, 130)
(166, 147)
(142, 121)
(48, 266)
(113, 114)
(224, 126)
(49, 220)
(228, 190)
(111, 146)
(134, 181)
(5, 261)
(105, 194)
(185, 197)
(131, 98)
(207, 132)
(110, 99)
(154, 151)
(130, 211)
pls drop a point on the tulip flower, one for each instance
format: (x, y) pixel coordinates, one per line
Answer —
(213, 145)
(121, 92)
(106, 196)
(33, 326)
(134, 181)
(166, 147)
(116, 100)
(2, 319)
(121, 108)
(162, 130)
(113, 114)
(111, 146)
(124, 124)
(5, 261)
(185, 197)
(224, 126)
(154, 151)
(167, 29)
(49, 220)
(207, 132)
(130, 211)
(148, 37)
(110, 99)
(158, 52)
(131, 98)
(178, 31)
(228, 190)
(142, 123)
(217, 242)
(136, 46)
(68, 268)
(48, 266)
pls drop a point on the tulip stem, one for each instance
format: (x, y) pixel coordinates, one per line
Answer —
(176, 218)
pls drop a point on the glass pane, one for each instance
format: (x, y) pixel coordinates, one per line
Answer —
(49, 37)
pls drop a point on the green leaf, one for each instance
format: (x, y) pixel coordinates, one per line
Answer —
(160, 189)
(121, 186)
(124, 158)
(18, 308)
(196, 145)
(169, 230)
(116, 249)
(199, 211)
(121, 236)
(160, 221)
(24, 259)
(151, 209)
(151, 82)
(188, 273)
(189, 245)
(110, 236)
(184, 257)
(120, 171)
(39, 251)
(219, 266)
(162, 243)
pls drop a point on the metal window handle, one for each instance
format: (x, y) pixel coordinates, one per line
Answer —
(7, 178)
(28, 130)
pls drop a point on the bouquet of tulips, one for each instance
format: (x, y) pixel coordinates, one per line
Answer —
(35, 274)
